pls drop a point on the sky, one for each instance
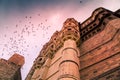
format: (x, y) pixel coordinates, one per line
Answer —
(26, 25)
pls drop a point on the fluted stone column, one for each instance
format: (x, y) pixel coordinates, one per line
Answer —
(69, 65)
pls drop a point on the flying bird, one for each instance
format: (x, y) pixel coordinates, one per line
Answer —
(30, 17)
(5, 35)
(38, 14)
(16, 25)
(25, 16)
(80, 1)
(46, 20)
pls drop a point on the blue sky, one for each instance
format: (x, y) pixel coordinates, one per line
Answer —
(26, 25)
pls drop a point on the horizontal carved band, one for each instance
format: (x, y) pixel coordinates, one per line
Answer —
(69, 61)
(70, 48)
(67, 76)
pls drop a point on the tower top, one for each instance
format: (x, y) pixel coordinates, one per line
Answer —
(17, 59)
(70, 22)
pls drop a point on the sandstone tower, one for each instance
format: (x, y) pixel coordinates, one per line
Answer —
(82, 51)
(10, 69)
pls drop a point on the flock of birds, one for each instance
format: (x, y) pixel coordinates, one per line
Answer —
(18, 39)
(17, 43)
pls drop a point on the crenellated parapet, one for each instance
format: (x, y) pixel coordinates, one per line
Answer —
(96, 23)
(94, 16)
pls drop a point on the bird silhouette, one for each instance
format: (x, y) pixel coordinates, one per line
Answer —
(80, 1)
(5, 35)
(30, 17)
(25, 16)
(38, 14)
